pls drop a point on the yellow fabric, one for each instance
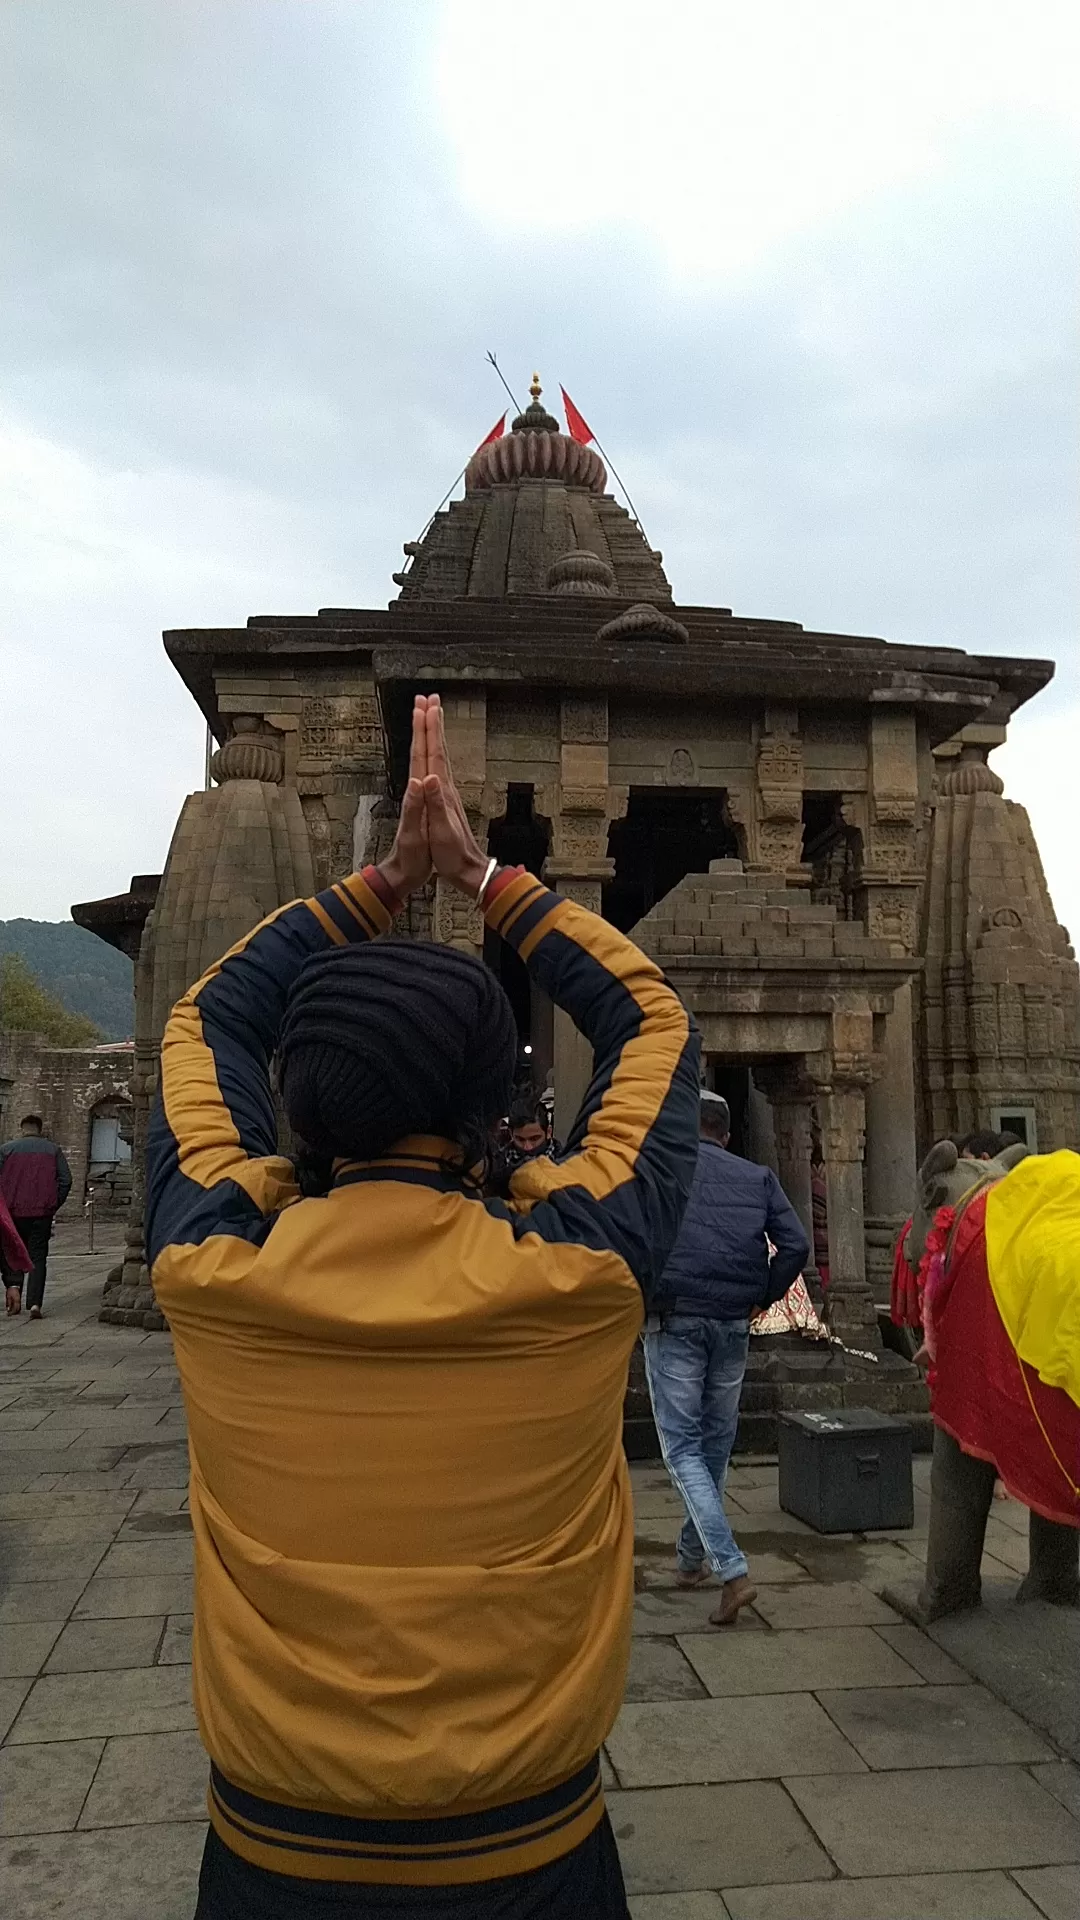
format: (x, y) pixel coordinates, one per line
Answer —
(409, 1499)
(1033, 1260)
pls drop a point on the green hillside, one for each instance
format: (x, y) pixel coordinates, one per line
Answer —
(88, 977)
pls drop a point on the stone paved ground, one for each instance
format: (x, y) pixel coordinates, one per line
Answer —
(822, 1761)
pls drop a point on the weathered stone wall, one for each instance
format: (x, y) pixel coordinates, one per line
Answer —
(64, 1085)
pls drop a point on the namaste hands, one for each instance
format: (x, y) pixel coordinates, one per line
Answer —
(433, 832)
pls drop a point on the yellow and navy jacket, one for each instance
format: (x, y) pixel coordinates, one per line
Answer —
(413, 1533)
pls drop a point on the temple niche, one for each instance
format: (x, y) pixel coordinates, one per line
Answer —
(802, 827)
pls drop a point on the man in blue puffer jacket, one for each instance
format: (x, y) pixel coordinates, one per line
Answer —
(718, 1276)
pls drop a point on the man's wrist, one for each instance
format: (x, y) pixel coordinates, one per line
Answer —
(473, 874)
(392, 887)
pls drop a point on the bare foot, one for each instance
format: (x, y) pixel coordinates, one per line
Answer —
(737, 1593)
(13, 1298)
(693, 1576)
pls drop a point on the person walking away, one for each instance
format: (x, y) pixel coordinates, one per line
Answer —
(719, 1275)
(35, 1180)
(411, 1509)
(14, 1259)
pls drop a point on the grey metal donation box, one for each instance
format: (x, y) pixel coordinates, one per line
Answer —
(847, 1470)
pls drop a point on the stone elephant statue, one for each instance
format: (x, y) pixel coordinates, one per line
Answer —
(996, 1413)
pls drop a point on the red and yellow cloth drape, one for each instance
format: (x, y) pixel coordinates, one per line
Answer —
(1005, 1309)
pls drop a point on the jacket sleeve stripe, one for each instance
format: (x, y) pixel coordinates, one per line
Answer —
(208, 1142)
(353, 908)
(328, 924)
(215, 1130)
(626, 1185)
(511, 899)
(636, 1090)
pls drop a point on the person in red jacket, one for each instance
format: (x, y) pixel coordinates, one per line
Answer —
(14, 1259)
(35, 1180)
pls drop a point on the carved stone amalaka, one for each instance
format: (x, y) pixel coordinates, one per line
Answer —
(251, 754)
(581, 571)
(643, 622)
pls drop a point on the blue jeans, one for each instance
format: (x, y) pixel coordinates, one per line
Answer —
(695, 1370)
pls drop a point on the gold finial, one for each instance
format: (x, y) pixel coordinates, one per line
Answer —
(536, 389)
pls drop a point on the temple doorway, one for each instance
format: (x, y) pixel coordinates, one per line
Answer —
(667, 833)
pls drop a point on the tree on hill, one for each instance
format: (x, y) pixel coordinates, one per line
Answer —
(81, 971)
(26, 1007)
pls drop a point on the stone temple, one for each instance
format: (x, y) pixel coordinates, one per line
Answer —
(801, 827)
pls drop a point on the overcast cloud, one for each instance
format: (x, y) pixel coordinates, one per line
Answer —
(811, 277)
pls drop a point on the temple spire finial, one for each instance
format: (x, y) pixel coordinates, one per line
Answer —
(536, 389)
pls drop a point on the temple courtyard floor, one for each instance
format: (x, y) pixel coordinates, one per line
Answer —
(822, 1761)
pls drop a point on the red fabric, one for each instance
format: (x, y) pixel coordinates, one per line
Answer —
(977, 1388)
(579, 427)
(28, 1179)
(905, 1307)
(496, 433)
(12, 1251)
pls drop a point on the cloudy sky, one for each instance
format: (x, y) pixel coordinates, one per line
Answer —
(810, 274)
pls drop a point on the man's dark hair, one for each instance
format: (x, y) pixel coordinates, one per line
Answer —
(528, 1113)
(32, 1120)
(393, 1038)
(714, 1116)
(984, 1144)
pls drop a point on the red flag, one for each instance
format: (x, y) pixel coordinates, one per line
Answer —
(580, 429)
(496, 433)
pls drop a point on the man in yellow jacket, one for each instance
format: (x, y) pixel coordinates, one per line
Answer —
(413, 1532)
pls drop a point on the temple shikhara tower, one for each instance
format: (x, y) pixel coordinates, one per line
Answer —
(802, 828)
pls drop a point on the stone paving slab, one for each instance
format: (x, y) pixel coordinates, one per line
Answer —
(132, 1559)
(42, 1789)
(106, 1598)
(659, 1671)
(666, 1611)
(957, 1819)
(932, 1727)
(676, 1743)
(73, 1706)
(38, 1600)
(92, 1646)
(118, 1873)
(914, 1896)
(148, 1777)
(792, 1662)
(12, 1694)
(704, 1837)
(176, 1640)
(678, 1906)
(1028, 1655)
(24, 1647)
(843, 1604)
(1062, 1779)
(1056, 1889)
(923, 1654)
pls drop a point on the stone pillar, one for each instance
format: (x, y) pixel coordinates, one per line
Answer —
(890, 1145)
(581, 807)
(850, 1308)
(761, 1137)
(790, 1096)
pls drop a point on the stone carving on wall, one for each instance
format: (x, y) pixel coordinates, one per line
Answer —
(891, 916)
(682, 769)
(584, 722)
(780, 776)
(337, 728)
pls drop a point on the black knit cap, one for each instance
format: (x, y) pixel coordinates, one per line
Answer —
(393, 1038)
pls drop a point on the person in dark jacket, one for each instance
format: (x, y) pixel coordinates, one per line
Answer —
(35, 1180)
(719, 1274)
